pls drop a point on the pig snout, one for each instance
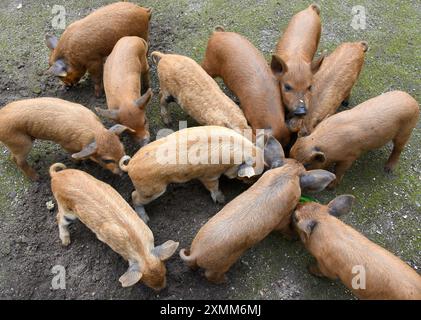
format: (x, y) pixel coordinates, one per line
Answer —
(117, 171)
(143, 141)
(301, 109)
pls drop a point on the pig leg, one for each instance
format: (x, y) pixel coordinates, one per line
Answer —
(141, 198)
(398, 145)
(146, 82)
(164, 99)
(20, 150)
(340, 168)
(64, 218)
(287, 231)
(212, 184)
(215, 276)
(231, 173)
(315, 270)
(95, 70)
(207, 67)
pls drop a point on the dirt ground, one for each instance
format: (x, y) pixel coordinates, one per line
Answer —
(388, 206)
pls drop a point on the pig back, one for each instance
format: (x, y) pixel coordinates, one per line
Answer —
(246, 73)
(51, 119)
(339, 247)
(249, 218)
(94, 36)
(191, 153)
(198, 94)
(333, 82)
(372, 123)
(122, 71)
(302, 35)
(102, 210)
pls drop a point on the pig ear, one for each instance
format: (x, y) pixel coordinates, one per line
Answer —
(306, 226)
(110, 114)
(273, 152)
(143, 101)
(316, 180)
(315, 65)
(58, 69)
(86, 152)
(165, 250)
(318, 156)
(51, 41)
(341, 205)
(278, 65)
(132, 275)
(118, 129)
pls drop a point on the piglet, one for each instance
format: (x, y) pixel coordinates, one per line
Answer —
(104, 211)
(86, 43)
(292, 62)
(126, 75)
(333, 83)
(203, 153)
(368, 270)
(77, 129)
(266, 206)
(343, 137)
(246, 73)
(184, 81)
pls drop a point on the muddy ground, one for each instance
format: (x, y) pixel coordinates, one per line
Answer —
(388, 208)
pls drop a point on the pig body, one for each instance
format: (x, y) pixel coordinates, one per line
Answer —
(343, 137)
(203, 153)
(339, 250)
(248, 219)
(74, 127)
(292, 62)
(246, 73)
(333, 83)
(126, 75)
(182, 80)
(86, 43)
(104, 211)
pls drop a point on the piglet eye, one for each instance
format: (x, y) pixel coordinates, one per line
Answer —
(108, 161)
(309, 88)
(287, 87)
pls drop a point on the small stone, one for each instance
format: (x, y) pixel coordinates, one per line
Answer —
(23, 93)
(50, 205)
(36, 90)
(12, 195)
(405, 216)
(19, 6)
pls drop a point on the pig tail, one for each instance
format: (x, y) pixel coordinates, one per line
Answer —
(365, 45)
(156, 56)
(316, 8)
(122, 163)
(56, 167)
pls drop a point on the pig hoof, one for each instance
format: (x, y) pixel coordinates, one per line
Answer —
(142, 214)
(218, 197)
(388, 169)
(315, 271)
(215, 277)
(65, 241)
(34, 177)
